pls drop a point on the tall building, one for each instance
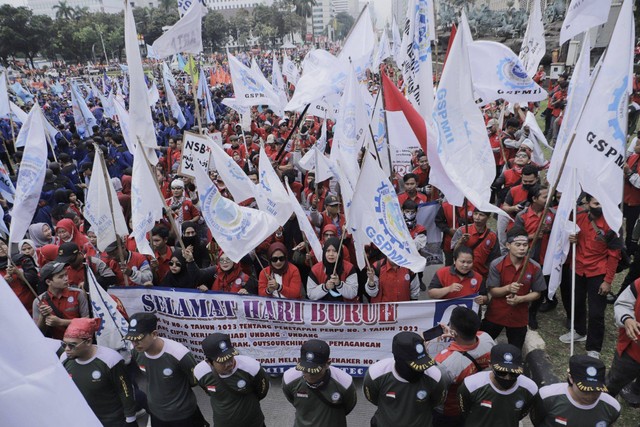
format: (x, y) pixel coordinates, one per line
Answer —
(47, 7)
(235, 4)
(321, 16)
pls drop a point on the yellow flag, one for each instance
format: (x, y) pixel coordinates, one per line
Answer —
(192, 69)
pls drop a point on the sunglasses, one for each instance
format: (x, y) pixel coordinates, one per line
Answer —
(175, 264)
(505, 374)
(278, 258)
(225, 260)
(71, 345)
(521, 155)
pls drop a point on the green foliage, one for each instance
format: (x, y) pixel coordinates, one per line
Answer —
(344, 22)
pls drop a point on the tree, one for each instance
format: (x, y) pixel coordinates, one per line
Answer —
(304, 8)
(344, 22)
(215, 30)
(64, 11)
(166, 5)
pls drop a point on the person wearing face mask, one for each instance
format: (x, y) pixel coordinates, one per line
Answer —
(406, 387)
(501, 396)
(190, 238)
(582, 401)
(597, 255)
(467, 354)
(480, 239)
(322, 395)
(510, 296)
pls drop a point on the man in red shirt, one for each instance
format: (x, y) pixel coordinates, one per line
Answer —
(388, 282)
(496, 145)
(161, 251)
(411, 190)
(632, 196)
(597, 255)
(54, 309)
(135, 266)
(510, 298)
(481, 239)
(423, 169)
(76, 261)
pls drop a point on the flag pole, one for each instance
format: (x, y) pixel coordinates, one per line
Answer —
(573, 264)
(386, 128)
(294, 130)
(113, 219)
(169, 215)
(195, 95)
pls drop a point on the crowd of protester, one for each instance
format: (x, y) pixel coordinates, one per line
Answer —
(483, 258)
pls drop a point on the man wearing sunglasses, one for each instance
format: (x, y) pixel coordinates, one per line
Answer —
(99, 373)
(168, 366)
(501, 396)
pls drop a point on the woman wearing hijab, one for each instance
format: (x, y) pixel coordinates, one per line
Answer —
(231, 278)
(28, 249)
(40, 233)
(181, 276)
(324, 284)
(66, 231)
(190, 238)
(20, 274)
(280, 279)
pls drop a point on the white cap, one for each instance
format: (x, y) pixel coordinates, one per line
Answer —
(177, 183)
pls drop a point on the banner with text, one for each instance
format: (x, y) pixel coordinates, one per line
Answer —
(272, 330)
(195, 148)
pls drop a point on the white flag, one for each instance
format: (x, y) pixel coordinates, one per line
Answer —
(18, 113)
(176, 111)
(323, 75)
(462, 136)
(6, 185)
(358, 48)
(290, 70)
(30, 175)
(497, 73)
(536, 136)
(397, 41)
(577, 92)
(237, 229)
(533, 45)
(154, 94)
(146, 202)
(238, 183)
(34, 378)
(185, 36)
(151, 53)
(114, 326)
(277, 81)
(270, 193)
(303, 222)
(123, 119)
(5, 108)
(582, 15)
(100, 212)
(250, 88)
(141, 124)
(379, 218)
(166, 74)
(205, 94)
(598, 150)
(417, 68)
(383, 52)
(85, 121)
(277, 104)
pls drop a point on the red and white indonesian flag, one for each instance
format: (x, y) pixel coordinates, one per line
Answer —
(598, 151)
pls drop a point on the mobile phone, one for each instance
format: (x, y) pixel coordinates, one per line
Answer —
(432, 333)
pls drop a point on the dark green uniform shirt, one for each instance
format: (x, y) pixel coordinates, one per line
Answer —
(553, 406)
(170, 376)
(482, 404)
(324, 407)
(103, 382)
(399, 402)
(235, 398)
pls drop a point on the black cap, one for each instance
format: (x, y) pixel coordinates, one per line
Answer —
(141, 324)
(587, 373)
(113, 246)
(409, 347)
(217, 347)
(331, 200)
(67, 252)
(506, 358)
(314, 354)
(50, 269)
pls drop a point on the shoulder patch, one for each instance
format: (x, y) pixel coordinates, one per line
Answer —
(552, 390)
(291, 375)
(248, 364)
(434, 372)
(528, 383)
(201, 370)
(175, 349)
(477, 381)
(108, 356)
(380, 368)
(612, 401)
(341, 377)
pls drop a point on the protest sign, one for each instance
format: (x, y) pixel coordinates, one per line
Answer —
(195, 147)
(272, 330)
